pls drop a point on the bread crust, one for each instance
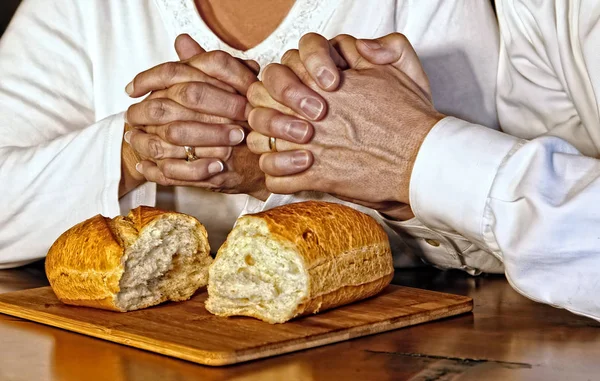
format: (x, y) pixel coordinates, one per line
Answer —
(346, 253)
(84, 265)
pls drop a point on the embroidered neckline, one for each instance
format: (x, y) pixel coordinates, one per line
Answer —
(181, 16)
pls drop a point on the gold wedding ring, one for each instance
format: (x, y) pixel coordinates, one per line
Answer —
(273, 144)
(189, 152)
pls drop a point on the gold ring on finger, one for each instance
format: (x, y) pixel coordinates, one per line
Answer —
(273, 144)
(189, 152)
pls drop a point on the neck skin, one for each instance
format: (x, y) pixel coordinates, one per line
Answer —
(243, 24)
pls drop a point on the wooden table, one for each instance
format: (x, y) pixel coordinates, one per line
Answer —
(506, 338)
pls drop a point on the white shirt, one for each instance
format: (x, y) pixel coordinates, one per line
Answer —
(532, 199)
(64, 65)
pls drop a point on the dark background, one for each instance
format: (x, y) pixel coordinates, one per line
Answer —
(8, 7)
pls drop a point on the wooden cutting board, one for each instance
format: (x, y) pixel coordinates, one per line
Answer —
(187, 331)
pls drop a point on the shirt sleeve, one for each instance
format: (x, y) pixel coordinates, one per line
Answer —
(548, 77)
(530, 203)
(58, 165)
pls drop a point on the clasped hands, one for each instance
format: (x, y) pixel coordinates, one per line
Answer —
(349, 117)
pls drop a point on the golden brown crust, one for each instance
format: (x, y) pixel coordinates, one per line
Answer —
(143, 215)
(321, 230)
(84, 266)
(344, 295)
(74, 274)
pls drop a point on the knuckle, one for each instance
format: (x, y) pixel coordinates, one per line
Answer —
(155, 148)
(236, 105)
(169, 70)
(162, 178)
(129, 115)
(173, 132)
(193, 93)
(312, 56)
(155, 109)
(289, 92)
(218, 59)
(274, 123)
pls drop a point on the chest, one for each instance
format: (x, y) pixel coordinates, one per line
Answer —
(243, 24)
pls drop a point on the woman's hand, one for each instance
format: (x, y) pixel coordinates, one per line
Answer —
(365, 147)
(199, 102)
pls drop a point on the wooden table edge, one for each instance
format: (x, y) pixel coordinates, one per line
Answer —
(214, 358)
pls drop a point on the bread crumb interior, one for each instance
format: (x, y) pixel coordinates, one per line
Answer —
(162, 264)
(256, 276)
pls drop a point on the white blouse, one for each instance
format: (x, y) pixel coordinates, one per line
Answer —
(64, 65)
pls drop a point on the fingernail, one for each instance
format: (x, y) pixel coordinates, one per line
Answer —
(127, 137)
(236, 136)
(129, 88)
(138, 167)
(300, 159)
(326, 77)
(215, 167)
(371, 44)
(312, 107)
(296, 130)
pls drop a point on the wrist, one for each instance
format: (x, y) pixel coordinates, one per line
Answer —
(413, 143)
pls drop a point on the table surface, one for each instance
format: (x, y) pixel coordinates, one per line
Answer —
(507, 337)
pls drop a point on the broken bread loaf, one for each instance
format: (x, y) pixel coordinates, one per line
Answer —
(132, 262)
(298, 259)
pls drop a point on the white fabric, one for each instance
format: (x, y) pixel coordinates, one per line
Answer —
(533, 203)
(64, 65)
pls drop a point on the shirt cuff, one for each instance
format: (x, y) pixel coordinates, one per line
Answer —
(453, 174)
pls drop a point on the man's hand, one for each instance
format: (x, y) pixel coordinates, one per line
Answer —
(365, 147)
(198, 102)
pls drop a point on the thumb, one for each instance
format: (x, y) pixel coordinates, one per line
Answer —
(395, 49)
(186, 47)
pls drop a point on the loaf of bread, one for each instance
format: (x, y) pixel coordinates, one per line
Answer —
(132, 262)
(298, 259)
